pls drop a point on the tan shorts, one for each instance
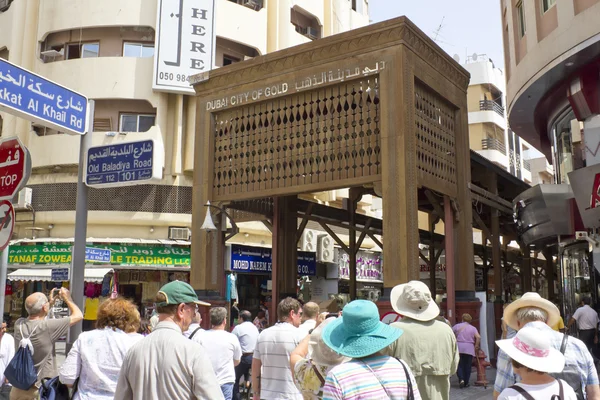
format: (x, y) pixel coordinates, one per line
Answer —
(18, 394)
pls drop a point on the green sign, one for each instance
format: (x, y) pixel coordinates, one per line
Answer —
(120, 255)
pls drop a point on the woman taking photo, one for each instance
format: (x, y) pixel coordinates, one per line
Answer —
(97, 355)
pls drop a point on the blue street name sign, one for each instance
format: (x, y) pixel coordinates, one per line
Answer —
(37, 99)
(123, 164)
(59, 274)
(97, 255)
(258, 259)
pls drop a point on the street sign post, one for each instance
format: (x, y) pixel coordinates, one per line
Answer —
(97, 255)
(122, 164)
(7, 223)
(59, 274)
(15, 167)
(28, 95)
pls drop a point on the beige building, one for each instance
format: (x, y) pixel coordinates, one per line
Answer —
(105, 51)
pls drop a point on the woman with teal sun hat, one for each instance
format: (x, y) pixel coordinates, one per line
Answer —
(359, 334)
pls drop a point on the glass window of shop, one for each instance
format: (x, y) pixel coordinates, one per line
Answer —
(578, 276)
(563, 145)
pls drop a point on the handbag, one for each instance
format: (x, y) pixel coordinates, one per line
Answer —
(54, 389)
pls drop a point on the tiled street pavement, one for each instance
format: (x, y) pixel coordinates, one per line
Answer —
(473, 392)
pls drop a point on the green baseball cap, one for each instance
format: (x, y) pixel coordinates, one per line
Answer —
(178, 292)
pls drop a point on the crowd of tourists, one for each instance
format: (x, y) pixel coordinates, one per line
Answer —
(307, 354)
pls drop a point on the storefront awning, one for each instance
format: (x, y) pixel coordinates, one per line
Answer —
(44, 274)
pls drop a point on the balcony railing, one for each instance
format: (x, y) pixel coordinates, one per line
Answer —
(255, 5)
(490, 105)
(493, 144)
(527, 165)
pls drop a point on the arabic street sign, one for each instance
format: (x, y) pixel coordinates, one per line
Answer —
(129, 255)
(7, 223)
(131, 163)
(59, 274)
(97, 255)
(15, 167)
(185, 43)
(37, 99)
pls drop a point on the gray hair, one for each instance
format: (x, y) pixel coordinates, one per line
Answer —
(530, 314)
(35, 308)
(217, 315)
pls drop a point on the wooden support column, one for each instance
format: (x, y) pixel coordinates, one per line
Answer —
(350, 204)
(486, 267)
(526, 267)
(432, 219)
(550, 275)
(286, 259)
(449, 239)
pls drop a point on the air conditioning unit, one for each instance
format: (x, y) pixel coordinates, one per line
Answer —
(4, 4)
(179, 233)
(325, 252)
(308, 241)
(312, 33)
(253, 4)
(23, 199)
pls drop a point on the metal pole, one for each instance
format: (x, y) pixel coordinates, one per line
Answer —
(3, 271)
(449, 249)
(81, 215)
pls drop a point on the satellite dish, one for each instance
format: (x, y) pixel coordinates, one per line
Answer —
(456, 58)
(474, 56)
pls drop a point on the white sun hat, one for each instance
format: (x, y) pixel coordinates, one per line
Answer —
(531, 299)
(531, 348)
(413, 300)
(319, 352)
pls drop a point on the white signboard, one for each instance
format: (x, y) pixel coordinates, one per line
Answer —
(185, 43)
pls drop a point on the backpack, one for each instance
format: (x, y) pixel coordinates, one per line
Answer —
(53, 389)
(570, 373)
(20, 371)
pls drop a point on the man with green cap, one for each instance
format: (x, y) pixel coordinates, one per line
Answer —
(166, 364)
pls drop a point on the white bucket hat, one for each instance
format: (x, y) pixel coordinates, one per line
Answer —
(319, 352)
(531, 348)
(531, 299)
(413, 300)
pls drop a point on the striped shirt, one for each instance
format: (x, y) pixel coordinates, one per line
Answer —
(354, 381)
(273, 349)
(576, 354)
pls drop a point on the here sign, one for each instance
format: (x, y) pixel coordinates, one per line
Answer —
(37, 99)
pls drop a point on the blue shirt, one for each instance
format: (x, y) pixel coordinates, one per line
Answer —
(576, 354)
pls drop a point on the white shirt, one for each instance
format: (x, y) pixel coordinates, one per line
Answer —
(273, 350)
(7, 352)
(586, 317)
(307, 326)
(247, 334)
(222, 348)
(191, 329)
(539, 392)
(96, 358)
(167, 365)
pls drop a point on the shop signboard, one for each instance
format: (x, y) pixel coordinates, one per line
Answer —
(128, 255)
(99, 255)
(258, 259)
(368, 266)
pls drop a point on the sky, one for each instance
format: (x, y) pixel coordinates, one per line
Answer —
(467, 26)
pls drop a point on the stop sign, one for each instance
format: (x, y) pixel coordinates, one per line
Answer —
(15, 167)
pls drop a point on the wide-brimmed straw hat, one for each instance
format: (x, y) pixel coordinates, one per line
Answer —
(413, 300)
(359, 332)
(531, 348)
(531, 299)
(319, 352)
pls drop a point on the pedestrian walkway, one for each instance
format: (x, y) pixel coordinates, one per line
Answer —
(473, 392)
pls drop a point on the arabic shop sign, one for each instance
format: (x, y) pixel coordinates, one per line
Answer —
(185, 43)
(37, 99)
(258, 259)
(119, 255)
(307, 83)
(130, 163)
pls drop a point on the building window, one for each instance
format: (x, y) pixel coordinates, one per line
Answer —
(82, 50)
(521, 19)
(138, 49)
(228, 60)
(547, 4)
(255, 5)
(136, 122)
(305, 24)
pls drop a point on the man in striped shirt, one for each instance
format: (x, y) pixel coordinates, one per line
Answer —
(271, 374)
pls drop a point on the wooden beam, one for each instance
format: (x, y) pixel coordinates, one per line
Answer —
(479, 222)
(268, 225)
(434, 202)
(422, 257)
(333, 222)
(439, 252)
(362, 236)
(373, 238)
(304, 222)
(335, 237)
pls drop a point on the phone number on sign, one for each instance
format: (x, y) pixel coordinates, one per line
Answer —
(169, 76)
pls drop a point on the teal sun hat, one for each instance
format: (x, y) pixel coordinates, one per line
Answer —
(359, 332)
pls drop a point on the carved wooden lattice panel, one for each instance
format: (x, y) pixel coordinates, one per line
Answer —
(309, 138)
(435, 132)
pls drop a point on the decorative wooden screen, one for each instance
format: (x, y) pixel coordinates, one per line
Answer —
(307, 139)
(435, 132)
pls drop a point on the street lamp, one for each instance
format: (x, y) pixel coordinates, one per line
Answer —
(208, 224)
